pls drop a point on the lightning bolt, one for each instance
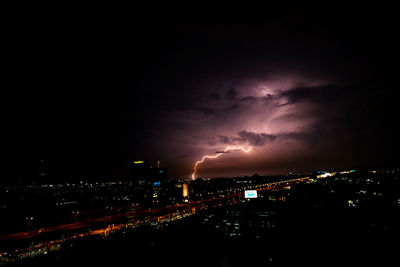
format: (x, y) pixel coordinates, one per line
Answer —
(216, 156)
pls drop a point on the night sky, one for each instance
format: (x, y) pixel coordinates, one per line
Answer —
(307, 88)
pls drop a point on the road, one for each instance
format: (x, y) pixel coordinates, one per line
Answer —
(155, 212)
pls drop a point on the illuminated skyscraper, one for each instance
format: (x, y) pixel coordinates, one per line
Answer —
(185, 192)
(145, 171)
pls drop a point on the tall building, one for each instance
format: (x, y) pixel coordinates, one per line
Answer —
(151, 180)
(144, 170)
(185, 192)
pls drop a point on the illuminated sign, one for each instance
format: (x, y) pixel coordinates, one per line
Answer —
(326, 174)
(156, 183)
(139, 162)
(250, 193)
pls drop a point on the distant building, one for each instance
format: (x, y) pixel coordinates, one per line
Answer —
(151, 180)
(240, 221)
(143, 170)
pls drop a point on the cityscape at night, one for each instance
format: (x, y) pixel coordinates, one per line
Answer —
(224, 136)
(308, 216)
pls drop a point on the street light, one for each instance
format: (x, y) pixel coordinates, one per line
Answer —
(75, 213)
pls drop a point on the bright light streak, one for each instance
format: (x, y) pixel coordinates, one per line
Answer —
(218, 155)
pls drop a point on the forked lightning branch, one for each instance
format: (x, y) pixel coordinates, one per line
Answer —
(227, 149)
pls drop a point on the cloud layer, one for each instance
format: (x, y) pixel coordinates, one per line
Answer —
(307, 88)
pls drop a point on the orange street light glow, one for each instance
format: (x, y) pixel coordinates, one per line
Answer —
(219, 154)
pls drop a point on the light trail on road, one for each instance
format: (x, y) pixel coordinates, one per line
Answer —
(137, 213)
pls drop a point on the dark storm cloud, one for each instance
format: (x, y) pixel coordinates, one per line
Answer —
(224, 139)
(312, 77)
(256, 139)
(144, 84)
(250, 99)
(214, 96)
(231, 94)
(351, 107)
(317, 94)
(205, 110)
(234, 106)
(209, 140)
(267, 99)
(247, 137)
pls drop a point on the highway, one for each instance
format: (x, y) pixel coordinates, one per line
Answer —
(153, 214)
